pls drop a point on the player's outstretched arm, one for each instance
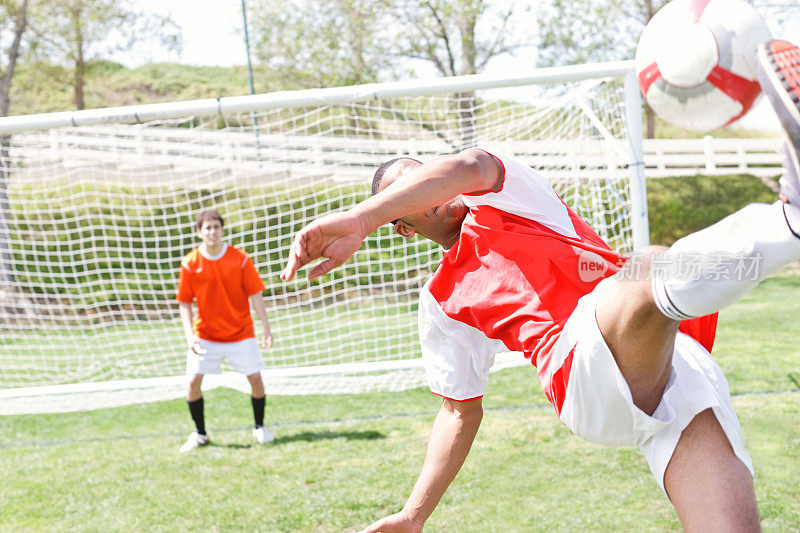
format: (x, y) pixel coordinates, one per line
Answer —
(339, 236)
(451, 438)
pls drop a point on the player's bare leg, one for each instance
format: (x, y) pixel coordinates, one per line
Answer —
(639, 336)
(709, 486)
(256, 385)
(195, 388)
(711, 489)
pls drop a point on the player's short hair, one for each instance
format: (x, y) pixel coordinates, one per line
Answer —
(208, 214)
(378, 177)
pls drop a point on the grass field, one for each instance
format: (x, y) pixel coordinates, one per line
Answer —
(340, 462)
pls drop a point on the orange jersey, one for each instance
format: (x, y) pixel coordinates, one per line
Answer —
(221, 286)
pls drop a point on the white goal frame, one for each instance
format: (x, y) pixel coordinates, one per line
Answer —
(31, 399)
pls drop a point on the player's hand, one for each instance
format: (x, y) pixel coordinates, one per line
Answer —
(337, 237)
(266, 339)
(194, 346)
(397, 522)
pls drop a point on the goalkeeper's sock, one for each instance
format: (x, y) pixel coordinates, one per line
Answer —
(198, 415)
(711, 269)
(258, 409)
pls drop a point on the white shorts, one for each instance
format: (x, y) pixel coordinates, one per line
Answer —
(243, 356)
(598, 405)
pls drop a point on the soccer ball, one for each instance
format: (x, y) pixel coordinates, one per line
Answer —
(696, 62)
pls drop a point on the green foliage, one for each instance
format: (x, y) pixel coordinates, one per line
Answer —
(680, 206)
(40, 87)
(43, 87)
(321, 43)
(102, 68)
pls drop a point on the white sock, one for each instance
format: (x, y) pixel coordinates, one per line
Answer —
(711, 269)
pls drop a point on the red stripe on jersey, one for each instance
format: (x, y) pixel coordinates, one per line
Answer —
(454, 400)
(556, 389)
(517, 280)
(702, 329)
(647, 76)
(696, 8)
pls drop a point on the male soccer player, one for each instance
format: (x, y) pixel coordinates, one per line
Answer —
(223, 281)
(523, 272)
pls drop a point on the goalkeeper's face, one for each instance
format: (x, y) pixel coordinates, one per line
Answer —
(441, 224)
(211, 233)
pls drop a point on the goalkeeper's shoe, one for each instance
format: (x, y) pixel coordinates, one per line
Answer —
(195, 440)
(778, 68)
(262, 435)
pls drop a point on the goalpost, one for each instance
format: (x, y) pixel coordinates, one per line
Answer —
(97, 210)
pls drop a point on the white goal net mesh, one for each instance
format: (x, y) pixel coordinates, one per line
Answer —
(95, 221)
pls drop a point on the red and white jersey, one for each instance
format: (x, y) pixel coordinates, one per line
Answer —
(523, 261)
(512, 280)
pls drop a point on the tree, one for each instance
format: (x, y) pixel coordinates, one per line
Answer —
(458, 37)
(13, 24)
(14, 17)
(321, 43)
(77, 31)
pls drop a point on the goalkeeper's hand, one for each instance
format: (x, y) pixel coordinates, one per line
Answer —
(194, 346)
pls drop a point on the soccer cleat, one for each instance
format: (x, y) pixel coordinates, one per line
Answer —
(195, 440)
(262, 435)
(778, 69)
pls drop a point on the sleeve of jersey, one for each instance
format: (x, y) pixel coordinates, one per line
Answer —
(456, 356)
(185, 291)
(526, 193)
(250, 278)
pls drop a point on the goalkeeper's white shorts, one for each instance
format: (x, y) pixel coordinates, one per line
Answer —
(243, 356)
(598, 406)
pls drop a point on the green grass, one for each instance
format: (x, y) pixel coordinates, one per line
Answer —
(758, 345)
(341, 462)
(683, 205)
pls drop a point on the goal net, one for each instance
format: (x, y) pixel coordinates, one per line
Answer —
(97, 209)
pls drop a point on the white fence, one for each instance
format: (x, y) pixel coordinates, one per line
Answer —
(353, 158)
(711, 156)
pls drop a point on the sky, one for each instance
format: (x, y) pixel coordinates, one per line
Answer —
(212, 36)
(211, 33)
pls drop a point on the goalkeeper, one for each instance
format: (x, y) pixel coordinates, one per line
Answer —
(223, 281)
(620, 344)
